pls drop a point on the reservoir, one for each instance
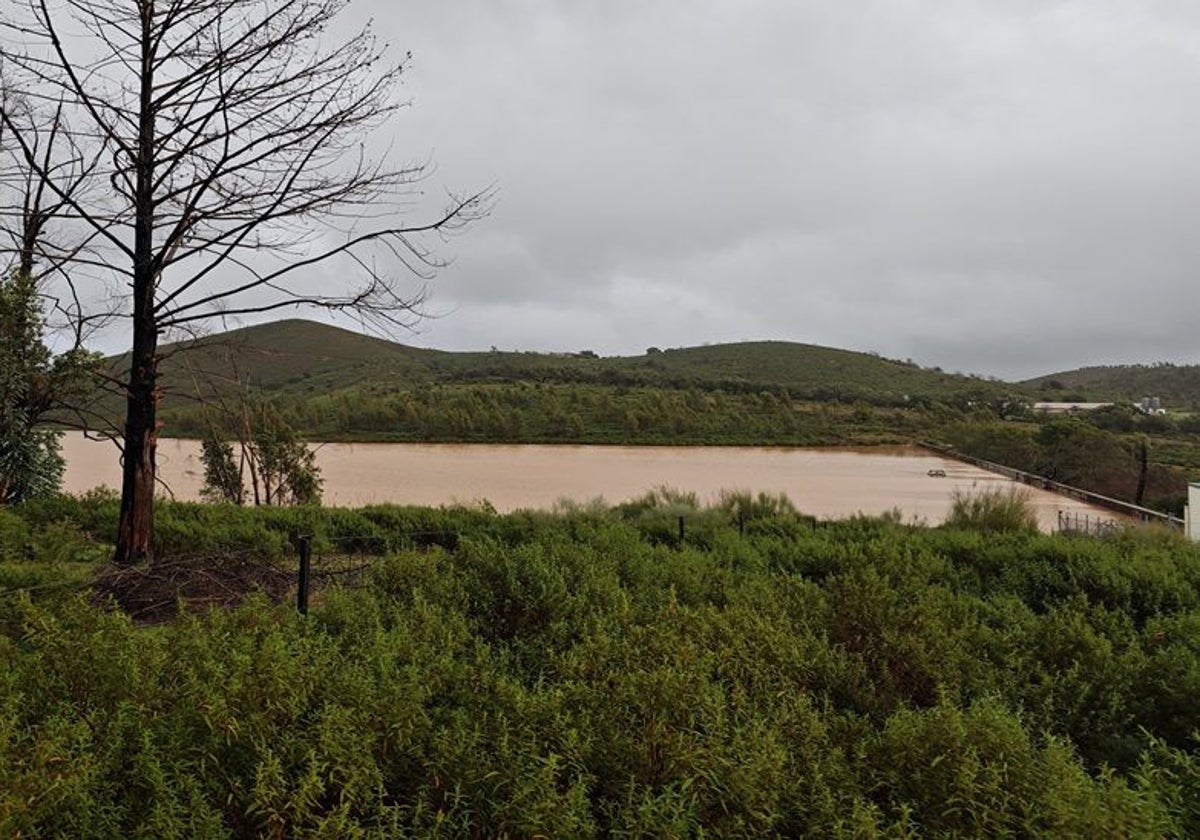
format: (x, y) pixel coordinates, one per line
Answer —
(830, 483)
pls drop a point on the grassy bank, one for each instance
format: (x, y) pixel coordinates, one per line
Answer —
(588, 673)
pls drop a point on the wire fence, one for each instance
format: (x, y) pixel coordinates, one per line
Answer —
(42, 588)
(150, 592)
(340, 560)
(1092, 525)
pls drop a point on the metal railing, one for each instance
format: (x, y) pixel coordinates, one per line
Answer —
(1133, 511)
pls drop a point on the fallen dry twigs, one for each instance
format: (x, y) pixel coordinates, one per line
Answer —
(160, 591)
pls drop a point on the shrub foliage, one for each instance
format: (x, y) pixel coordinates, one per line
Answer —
(591, 674)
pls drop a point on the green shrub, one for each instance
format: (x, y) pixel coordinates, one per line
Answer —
(993, 511)
(583, 675)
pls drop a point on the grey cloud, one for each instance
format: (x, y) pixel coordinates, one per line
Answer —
(998, 186)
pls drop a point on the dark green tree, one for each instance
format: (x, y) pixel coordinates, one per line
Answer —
(30, 464)
(33, 383)
(286, 471)
(223, 480)
(263, 451)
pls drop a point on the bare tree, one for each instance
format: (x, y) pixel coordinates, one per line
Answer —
(42, 168)
(234, 163)
(35, 244)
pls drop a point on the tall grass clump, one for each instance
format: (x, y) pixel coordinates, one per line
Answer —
(747, 505)
(993, 510)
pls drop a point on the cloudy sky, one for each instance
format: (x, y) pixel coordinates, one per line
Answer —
(1007, 187)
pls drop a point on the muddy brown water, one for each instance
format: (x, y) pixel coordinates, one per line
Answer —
(825, 482)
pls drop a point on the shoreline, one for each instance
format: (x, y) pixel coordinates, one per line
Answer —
(826, 482)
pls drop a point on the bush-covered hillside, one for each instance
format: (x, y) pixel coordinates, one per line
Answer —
(590, 674)
(1177, 385)
(292, 360)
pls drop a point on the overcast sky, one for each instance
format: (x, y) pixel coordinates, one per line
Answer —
(1006, 187)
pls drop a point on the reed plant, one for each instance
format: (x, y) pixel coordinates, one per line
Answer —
(992, 510)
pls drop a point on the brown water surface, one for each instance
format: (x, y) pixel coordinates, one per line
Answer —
(828, 483)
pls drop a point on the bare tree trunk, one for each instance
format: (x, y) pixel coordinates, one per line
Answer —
(248, 168)
(242, 466)
(135, 531)
(247, 441)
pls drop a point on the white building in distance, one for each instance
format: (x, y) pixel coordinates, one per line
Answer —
(1068, 407)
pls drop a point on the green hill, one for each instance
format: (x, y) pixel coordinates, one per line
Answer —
(293, 355)
(336, 384)
(1177, 385)
(274, 355)
(811, 370)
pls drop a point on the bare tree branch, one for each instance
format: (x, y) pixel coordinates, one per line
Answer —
(233, 142)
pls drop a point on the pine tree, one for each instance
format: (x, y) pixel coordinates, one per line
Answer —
(32, 384)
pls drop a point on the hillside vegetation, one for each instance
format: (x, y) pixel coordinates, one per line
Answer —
(276, 354)
(333, 384)
(293, 358)
(591, 674)
(1177, 385)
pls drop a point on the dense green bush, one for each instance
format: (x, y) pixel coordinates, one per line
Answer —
(582, 674)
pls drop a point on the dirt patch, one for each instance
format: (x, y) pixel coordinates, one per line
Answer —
(160, 591)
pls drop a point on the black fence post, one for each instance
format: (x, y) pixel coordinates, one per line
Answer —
(305, 562)
(681, 534)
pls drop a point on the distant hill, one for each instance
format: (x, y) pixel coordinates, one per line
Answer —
(272, 355)
(812, 370)
(296, 355)
(1177, 385)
